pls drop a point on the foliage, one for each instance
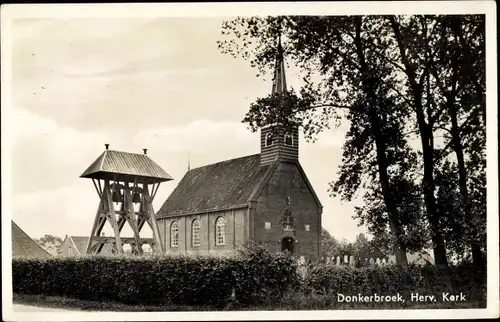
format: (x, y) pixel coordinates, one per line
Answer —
(362, 247)
(253, 274)
(397, 81)
(49, 243)
(331, 279)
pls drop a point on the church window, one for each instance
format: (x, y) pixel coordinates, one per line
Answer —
(174, 234)
(220, 231)
(268, 140)
(195, 230)
(288, 139)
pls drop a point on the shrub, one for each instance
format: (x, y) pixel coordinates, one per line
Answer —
(250, 277)
(331, 279)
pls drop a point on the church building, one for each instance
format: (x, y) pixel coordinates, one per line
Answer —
(263, 198)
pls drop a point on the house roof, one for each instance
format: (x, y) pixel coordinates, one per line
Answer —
(24, 247)
(220, 186)
(80, 243)
(126, 166)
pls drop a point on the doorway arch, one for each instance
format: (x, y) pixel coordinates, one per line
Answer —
(288, 244)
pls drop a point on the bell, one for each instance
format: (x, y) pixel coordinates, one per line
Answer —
(136, 197)
(117, 197)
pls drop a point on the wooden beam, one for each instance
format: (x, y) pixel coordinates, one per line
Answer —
(142, 218)
(100, 187)
(120, 212)
(96, 188)
(102, 221)
(141, 221)
(125, 240)
(95, 248)
(130, 217)
(153, 187)
(112, 218)
(151, 219)
(96, 224)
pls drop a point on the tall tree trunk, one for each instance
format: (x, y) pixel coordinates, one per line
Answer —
(380, 146)
(477, 256)
(399, 248)
(426, 138)
(456, 25)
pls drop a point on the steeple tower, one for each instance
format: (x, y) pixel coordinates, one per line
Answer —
(279, 80)
(276, 142)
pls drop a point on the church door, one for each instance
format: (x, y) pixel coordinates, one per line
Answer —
(287, 244)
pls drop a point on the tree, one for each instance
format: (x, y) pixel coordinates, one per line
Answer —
(394, 79)
(412, 41)
(461, 97)
(330, 247)
(354, 80)
(367, 248)
(49, 243)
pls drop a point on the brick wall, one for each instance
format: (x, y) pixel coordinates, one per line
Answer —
(236, 234)
(287, 180)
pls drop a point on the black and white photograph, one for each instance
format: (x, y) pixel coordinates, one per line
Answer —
(262, 161)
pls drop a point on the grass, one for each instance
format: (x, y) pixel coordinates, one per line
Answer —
(295, 301)
(83, 305)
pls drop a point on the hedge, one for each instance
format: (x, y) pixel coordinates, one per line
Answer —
(252, 277)
(389, 280)
(248, 278)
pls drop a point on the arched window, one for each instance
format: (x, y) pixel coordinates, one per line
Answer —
(268, 140)
(288, 139)
(174, 234)
(195, 233)
(220, 231)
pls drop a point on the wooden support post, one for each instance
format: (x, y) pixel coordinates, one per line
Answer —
(154, 191)
(127, 214)
(99, 193)
(97, 226)
(151, 219)
(111, 216)
(130, 217)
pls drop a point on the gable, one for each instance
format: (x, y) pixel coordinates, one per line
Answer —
(220, 186)
(25, 247)
(80, 243)
(299, 174)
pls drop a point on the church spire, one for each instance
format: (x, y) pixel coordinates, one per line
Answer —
(277, 142)
(279, 80)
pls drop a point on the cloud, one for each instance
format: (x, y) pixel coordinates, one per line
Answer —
(60, 211)
(80, 83)
(198, 135)
(46, 155)
(61, 142)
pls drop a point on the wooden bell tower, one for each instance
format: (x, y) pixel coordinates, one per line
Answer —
(127, 179)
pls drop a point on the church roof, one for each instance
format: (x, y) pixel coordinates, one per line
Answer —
(125, 165)
(224, 185)
(23, 247)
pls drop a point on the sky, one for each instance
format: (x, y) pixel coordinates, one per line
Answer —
(155, 83)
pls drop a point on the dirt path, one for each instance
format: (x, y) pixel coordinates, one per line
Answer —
(29, 308)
